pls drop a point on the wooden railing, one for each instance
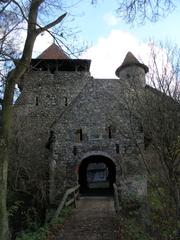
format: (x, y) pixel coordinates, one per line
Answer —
(116, 199)
(70, 197)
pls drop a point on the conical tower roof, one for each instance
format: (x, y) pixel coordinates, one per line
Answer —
(131, 60)
(53, 52)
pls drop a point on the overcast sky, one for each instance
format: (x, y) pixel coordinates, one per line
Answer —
(110, 38)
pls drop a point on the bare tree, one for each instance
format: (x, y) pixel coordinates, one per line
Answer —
(164, 65)
(16, 15)
(162, 118)
(142, 10)
(158, 108)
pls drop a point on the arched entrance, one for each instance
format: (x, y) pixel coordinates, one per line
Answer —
(97, 174)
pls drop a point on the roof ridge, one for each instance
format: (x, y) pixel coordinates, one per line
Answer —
(53, 52)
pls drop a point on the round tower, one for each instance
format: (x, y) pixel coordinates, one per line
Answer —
(132, 71)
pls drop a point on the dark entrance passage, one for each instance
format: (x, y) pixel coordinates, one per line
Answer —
(97, 175)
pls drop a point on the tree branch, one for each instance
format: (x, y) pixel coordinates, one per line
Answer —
(21, 10)
(52, 24)
(4, 7)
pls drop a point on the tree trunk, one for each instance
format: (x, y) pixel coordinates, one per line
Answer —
(5, 132)
(5, 138)
(4, 234)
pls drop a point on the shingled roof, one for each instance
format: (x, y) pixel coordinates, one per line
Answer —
(55, 59)
(131, 60)
(53, 52)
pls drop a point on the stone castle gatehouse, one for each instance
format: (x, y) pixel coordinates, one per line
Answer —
(71, 127)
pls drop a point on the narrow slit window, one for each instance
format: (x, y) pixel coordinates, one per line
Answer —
(50, 140)
(75, 150)
(37, 101)
(109, 132)
(117, 148)
(65, 101)
(140, 128)
(79, 135)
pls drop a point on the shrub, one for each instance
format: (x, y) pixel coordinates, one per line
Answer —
(47, 231)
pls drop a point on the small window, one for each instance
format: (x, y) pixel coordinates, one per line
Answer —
(147, 141)
(79, 135)
(75, 150)
(94, 134)
(37, 101)
(109, 132)
(65, 101)
(128, 75)
(117, 148)
(140, 127)
(50, 140)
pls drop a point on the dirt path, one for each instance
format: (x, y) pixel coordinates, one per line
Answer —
(94, 219)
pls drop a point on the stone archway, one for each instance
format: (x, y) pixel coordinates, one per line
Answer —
(97, 173)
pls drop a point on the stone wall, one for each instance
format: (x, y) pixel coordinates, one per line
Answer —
(41, 102)
(48, 116)
(98, 107)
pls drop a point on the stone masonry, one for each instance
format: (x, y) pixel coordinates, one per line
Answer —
(65, 116)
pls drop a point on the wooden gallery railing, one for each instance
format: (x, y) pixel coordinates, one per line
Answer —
(70, 197)
(116, 199)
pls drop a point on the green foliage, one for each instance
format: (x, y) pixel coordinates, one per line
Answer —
(161, 215)
(23, 216)
(40, 234)
(66, 212)
(162, 212)
(130, 229)
(47, 230)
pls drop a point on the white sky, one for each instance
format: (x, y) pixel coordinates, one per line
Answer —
(108, 54)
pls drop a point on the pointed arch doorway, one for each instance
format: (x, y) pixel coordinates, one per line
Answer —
(97, 173)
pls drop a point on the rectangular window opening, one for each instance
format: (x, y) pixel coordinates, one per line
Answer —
(109, 132)
(79, 135)
(37, 101)
(117, 148)
(65, 101)
(75, 150)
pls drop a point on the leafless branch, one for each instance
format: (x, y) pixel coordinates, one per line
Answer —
(142, 10)
(21, 10)
(52, 24)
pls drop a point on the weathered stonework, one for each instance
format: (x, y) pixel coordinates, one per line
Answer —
(65, 117)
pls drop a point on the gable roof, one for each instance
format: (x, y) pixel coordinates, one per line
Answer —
(53, 52)
(94, 85)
